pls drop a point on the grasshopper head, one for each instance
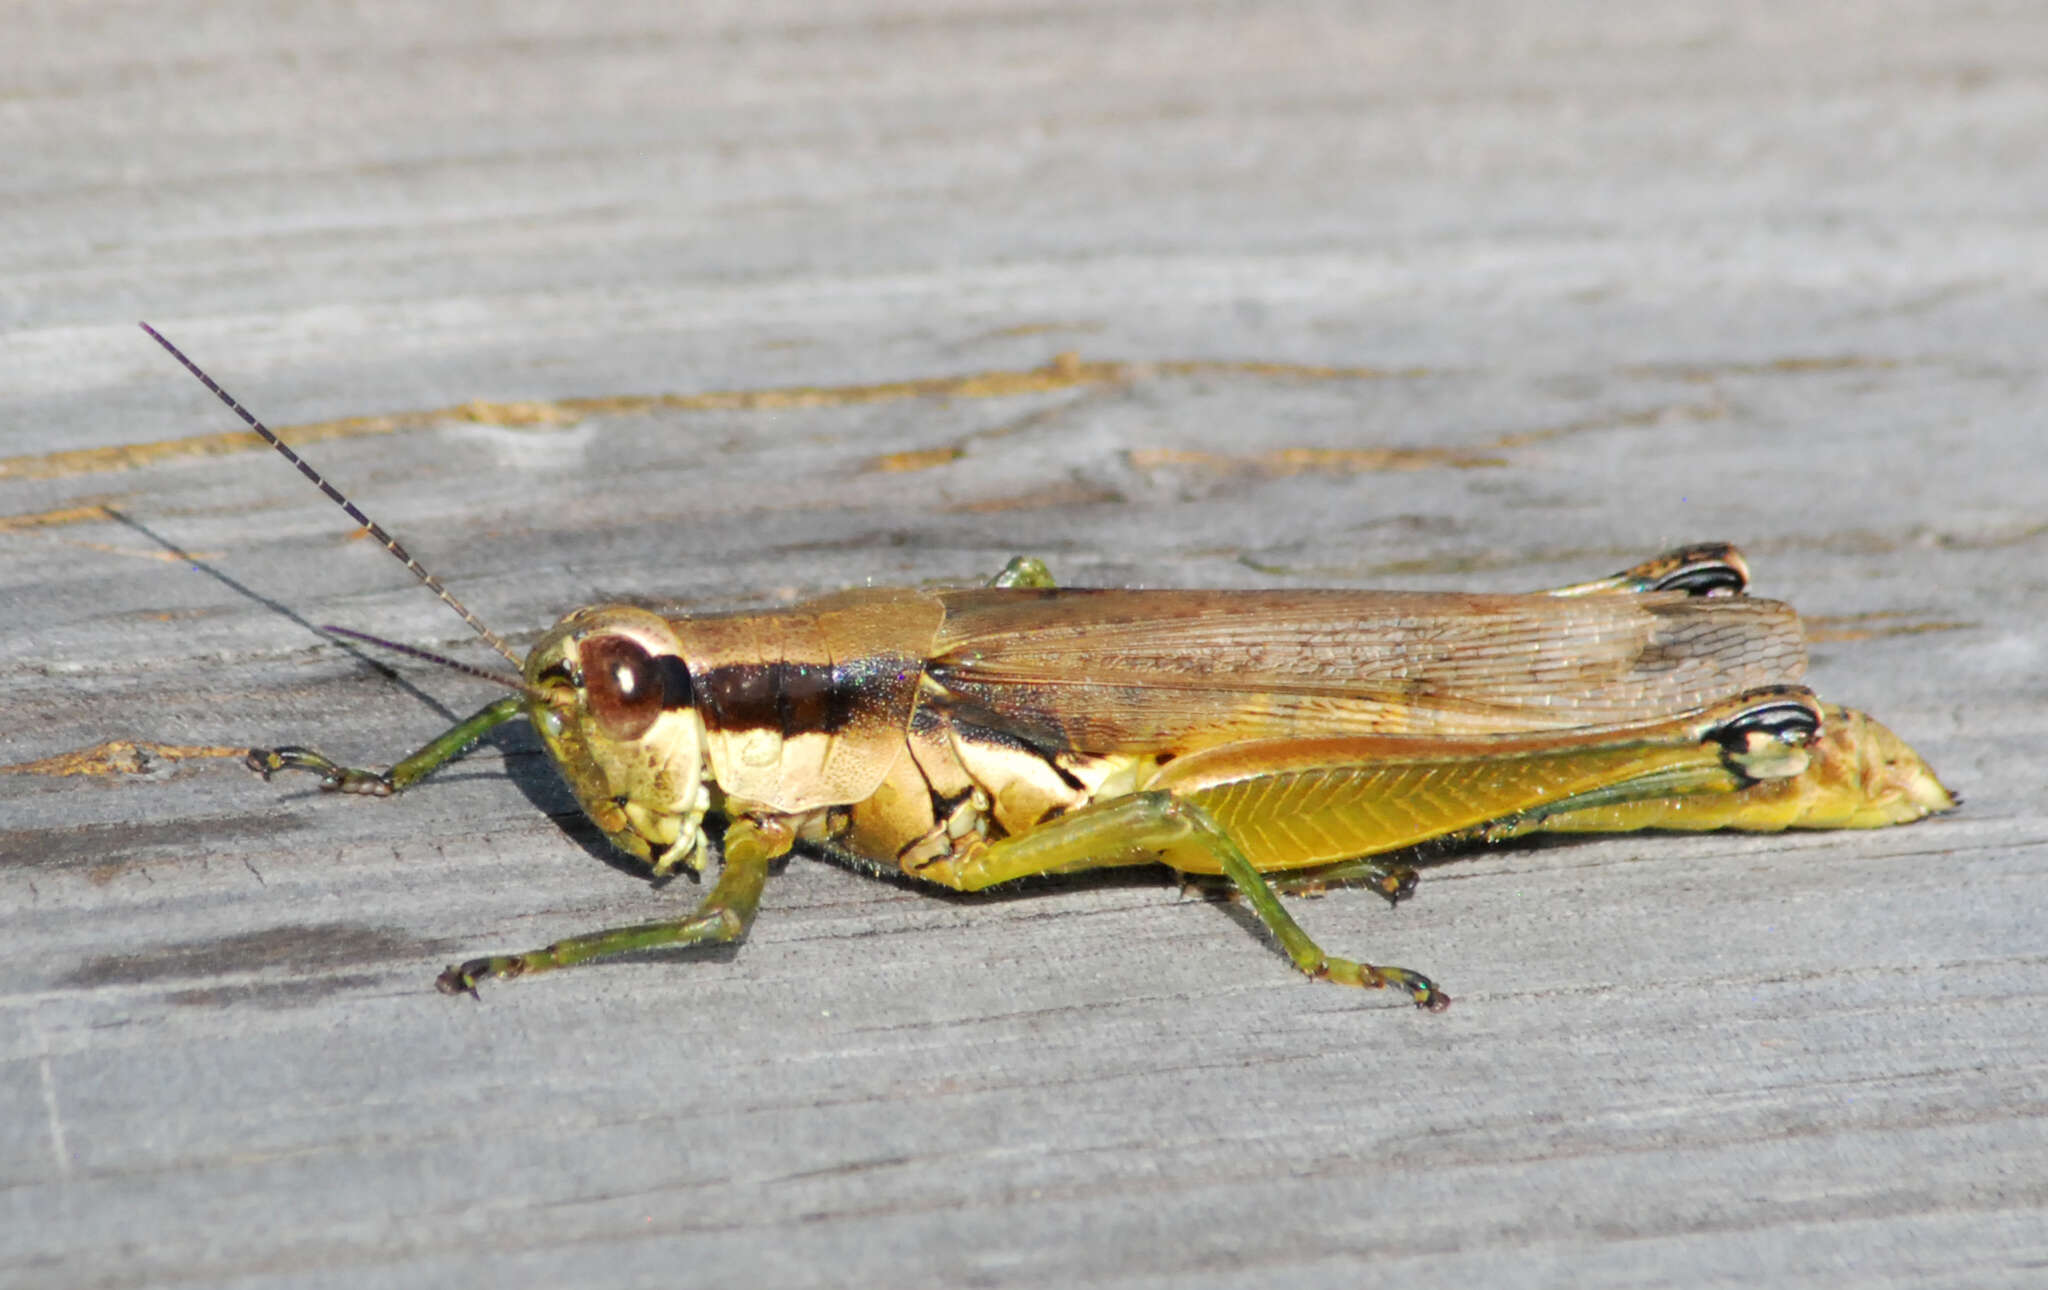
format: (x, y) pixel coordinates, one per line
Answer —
(620, 720)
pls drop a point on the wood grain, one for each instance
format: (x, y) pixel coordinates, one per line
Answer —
(734, 304)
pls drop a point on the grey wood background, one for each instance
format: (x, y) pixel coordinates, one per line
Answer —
(1489, 295)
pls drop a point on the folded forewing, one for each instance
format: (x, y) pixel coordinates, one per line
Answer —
(1116, 670)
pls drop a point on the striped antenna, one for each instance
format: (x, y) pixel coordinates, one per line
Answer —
(334, 495)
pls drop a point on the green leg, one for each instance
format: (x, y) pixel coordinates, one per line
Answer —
(1308, 956)
(723, 917)
(1024, 571)
(1125, 829)
(1396, 882)
(449, 745)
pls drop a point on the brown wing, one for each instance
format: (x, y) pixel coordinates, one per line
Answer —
(1117, 671)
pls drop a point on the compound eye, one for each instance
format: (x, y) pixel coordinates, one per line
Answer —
(625, 687)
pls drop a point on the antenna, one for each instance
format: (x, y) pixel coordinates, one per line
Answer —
(442, 660)
(334, 495)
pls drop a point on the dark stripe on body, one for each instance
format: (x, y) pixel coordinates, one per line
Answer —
(675, 687)
(796, 698)
(977, 723)
(1034, 729)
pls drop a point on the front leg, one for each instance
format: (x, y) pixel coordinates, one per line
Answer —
(444, 748)
(723, 917)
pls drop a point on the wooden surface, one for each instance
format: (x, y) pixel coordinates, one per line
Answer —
(1489, 295)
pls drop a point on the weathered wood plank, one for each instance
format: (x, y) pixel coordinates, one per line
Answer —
(1495, 297)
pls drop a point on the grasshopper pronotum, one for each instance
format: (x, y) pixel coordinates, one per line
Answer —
(974, 736)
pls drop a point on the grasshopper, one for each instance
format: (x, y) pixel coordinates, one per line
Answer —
(1266, 740)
